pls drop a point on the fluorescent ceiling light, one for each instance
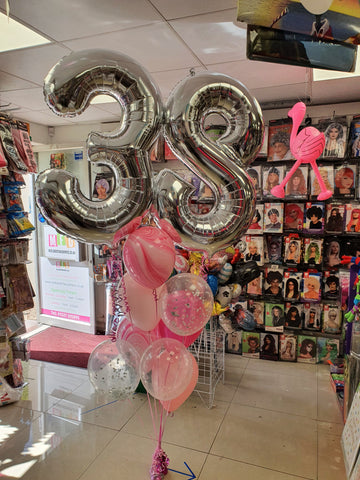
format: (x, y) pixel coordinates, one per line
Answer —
(102, 99)
(319, 75)
(14, 35)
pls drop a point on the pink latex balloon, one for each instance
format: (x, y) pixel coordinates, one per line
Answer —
(175, 403)
(138, 338)
(161, 331)
(141, 301)
(181, 264)
(166, 368)
(126, 230)
(185, 303)
(170, 230)
(149, 256)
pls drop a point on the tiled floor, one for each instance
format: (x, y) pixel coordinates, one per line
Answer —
(271, 421)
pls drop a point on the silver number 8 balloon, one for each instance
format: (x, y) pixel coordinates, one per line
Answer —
(219, 164)
(69, 88)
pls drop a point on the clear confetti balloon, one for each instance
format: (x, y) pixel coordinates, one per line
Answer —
(185, 303)
(113, 368)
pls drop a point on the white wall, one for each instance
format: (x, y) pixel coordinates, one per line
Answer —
(74, 136)
(66, 136)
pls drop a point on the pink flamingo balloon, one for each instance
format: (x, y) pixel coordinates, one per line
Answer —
(306, 146)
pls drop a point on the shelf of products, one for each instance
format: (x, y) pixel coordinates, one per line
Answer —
(16, 292)
(299, 299)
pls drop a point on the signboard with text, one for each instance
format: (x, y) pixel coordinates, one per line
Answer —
(65, 291)
(60, 246)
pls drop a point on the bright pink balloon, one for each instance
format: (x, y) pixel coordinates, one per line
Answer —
(161, 331)
(126, 230)
(174, 404)
(170, 230)
(166, 369)
(141, 302)
(149, 256)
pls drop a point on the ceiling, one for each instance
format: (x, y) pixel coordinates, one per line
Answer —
(167, 37)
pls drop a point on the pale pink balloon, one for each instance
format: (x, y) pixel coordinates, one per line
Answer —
(142, 304)
(175, 403)
(166, 369)
(161, 331)
(149, 256)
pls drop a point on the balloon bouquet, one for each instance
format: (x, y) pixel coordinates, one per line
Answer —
(159, 315)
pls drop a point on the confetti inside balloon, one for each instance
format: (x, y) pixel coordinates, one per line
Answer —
(113, 369)
(185, 303)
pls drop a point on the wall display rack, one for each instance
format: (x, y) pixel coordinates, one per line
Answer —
(16, 292)
(298, 241)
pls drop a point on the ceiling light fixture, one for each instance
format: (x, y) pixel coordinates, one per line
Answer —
(14, 35)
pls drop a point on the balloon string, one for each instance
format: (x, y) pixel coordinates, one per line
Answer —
(165, 417)
(160, 461)
(161, 429)
(152, 414)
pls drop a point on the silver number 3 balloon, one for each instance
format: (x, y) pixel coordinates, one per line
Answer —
(69, 88)
(219, 164)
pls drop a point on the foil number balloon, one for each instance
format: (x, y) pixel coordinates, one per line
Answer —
(219, 164)
(69, 87)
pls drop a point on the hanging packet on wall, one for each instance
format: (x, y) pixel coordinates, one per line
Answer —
(13, 198)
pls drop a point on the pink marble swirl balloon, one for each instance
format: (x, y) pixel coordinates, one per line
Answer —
(149, 256)
(138, 338)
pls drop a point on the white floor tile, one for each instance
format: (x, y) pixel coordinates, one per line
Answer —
(328, 407)
(281, 393)
(270, 420)
(330, 458)
(217, 468)
(129, 457)
(51, 447)
(237, 361)
(303, 370)
(192, 426)
(273, 440)
(13, 419)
